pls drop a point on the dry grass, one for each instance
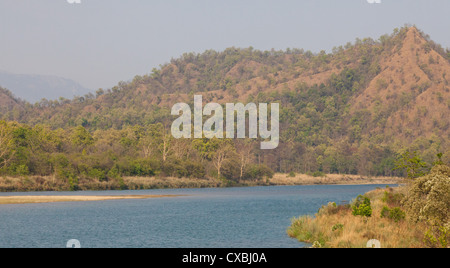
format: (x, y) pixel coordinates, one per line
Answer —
(302, 179)
(50, 183)
(141, 183)
(357, 230)
(4, 200)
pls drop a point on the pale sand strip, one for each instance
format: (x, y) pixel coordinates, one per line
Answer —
(50, 199)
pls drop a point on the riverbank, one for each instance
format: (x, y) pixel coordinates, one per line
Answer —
(50, 183)
(335, 226)
(9, 200)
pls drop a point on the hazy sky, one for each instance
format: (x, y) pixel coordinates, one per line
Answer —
(101, 42)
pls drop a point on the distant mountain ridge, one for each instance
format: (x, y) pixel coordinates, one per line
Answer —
(33, 88)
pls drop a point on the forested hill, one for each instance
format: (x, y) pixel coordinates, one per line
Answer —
(366, 101)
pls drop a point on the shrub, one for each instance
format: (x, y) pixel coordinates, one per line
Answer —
(317, 174)
(438, 236)
(337, 227)
(97, 174)
(385, 212)
(194, 170)
(231, 170)
(258, 172)
(362, 207)
(393, 199)
(396, 214)
(173, 168)
(428, 198)
(141, 167)
(332, 208)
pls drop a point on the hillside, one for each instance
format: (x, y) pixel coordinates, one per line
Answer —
(352, 111)
(412, 90)
(8, 102)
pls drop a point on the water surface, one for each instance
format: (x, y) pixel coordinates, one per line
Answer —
(254, 217)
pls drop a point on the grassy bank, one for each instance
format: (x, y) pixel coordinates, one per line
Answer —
(337, 227)
(330, 179)
(415, 215)
(50, 183)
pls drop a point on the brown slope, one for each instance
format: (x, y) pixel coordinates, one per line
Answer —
(8, 102)
(410, 97)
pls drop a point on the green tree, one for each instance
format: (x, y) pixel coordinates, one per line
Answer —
(82, 137)
(413, 164)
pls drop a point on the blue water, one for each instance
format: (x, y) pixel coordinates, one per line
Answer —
(255, 217)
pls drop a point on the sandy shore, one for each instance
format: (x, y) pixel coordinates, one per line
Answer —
(50, 199)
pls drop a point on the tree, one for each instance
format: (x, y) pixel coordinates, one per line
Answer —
(224, 150)
(244, 149)
(160, 139)
(428, 200)
(413, 164)
(6, 144)
(82, 137)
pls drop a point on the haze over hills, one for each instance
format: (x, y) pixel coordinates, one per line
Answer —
(33, 88)
(363, 103)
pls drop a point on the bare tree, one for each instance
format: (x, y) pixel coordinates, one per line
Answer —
(157, 139)
(245, 153)
(181, 148)
(223, 152)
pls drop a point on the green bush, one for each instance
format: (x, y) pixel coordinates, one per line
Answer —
(317, 174)
(362, 207)
(258, 172)
(194, 170)
(97, 174)
(332, 208)
(141, 167)
(385, 212)
(337, 227)
(231, 170)
(19, 170)
(438, 236)
(396, 214)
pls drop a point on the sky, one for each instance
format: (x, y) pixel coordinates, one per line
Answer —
(101, 42)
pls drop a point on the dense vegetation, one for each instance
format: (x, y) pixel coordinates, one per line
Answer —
(124, 131)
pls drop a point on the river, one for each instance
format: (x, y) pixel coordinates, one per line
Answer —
(253, 217)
